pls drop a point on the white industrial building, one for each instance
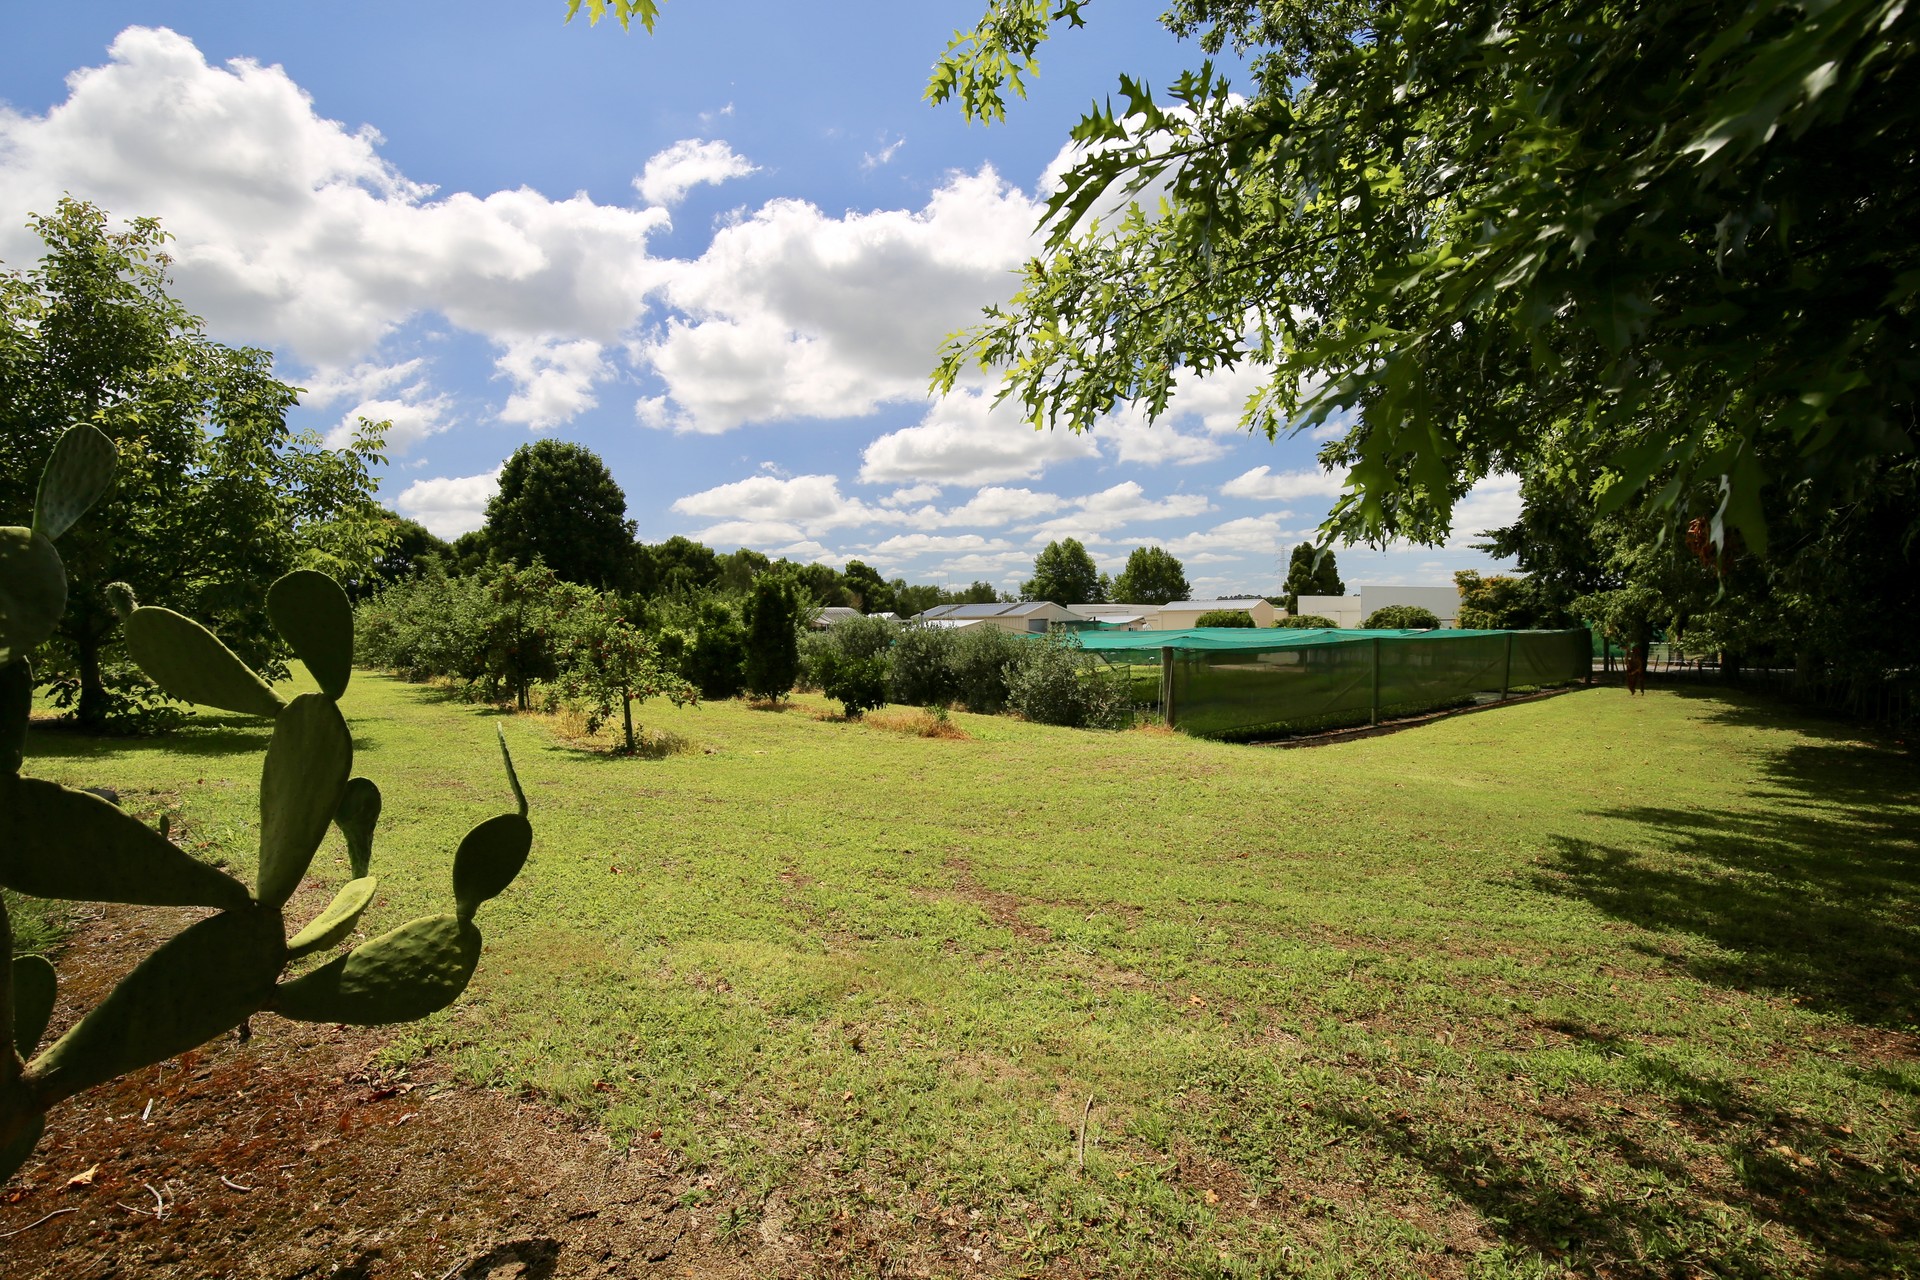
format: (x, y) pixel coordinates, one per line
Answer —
(1352, 610)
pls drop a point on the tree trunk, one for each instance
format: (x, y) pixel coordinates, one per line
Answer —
(93, 692)
(626, 710)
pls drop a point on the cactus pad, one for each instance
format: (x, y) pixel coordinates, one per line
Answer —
(34, 985)
(337, 921)
(76, 475)
(16, 701)
(33, 591)
(15, 1153)
(191, 664)
(417, 969)
(488, 860)
(199, 983)
(359, 811)
(300, 789)
(312, 614)
(59, 843)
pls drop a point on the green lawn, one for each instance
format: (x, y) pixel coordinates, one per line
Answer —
(1610, 985)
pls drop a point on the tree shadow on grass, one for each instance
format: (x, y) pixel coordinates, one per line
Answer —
(1816, 893)
(1857, 1217)
(201, 735)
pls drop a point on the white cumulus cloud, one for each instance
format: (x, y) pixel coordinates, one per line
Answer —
(686, 164)
(292, 230)
(1267, 485)
(965, 440)
(553, 379)
(790, 313)
(409, 421)
(450, 505)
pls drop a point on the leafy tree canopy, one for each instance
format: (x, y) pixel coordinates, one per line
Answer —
(872, 593)
(1312, 574)
(1065, 574)
(1153, 575)
(1401, 617)
(775, 613)
(214, 494)
(1676, 233)
(558, 503)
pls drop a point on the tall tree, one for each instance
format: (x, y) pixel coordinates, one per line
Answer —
(678, 566)
(558, 503)
(872, 593)
(1065, 574)
(214, 494)
(1677, 230)
(1153, 576)
(774, 616)
(1311, 574)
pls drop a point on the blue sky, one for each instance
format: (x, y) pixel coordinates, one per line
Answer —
(721, 256)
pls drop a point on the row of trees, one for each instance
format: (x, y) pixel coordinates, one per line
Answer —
(865, 663)
(557, 504)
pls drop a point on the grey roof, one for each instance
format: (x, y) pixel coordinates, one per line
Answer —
(1185, 606)
(1020, 609)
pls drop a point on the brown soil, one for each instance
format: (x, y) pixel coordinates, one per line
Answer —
(290, 1154)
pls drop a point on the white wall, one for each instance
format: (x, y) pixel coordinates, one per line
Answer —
(1346, 611)
(1443, 601)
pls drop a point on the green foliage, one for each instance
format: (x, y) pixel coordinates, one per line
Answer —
(1153, 576)
(214, 494)
(678, 566)
(1224, 618)
(1311, 572)
(1064, 573)
(853, 664)
(559, 505)
(1308, 621)
(1673, 233)
(982, 660)
(1401, 617)
(1052, 680)
(871, 593)
(56, 842)
(715, 661)
(774, 617)
(647, 11)
(1503, 603)
(605, 664)
(924, 673)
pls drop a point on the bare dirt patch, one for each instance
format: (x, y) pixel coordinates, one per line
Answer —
(290, 1154)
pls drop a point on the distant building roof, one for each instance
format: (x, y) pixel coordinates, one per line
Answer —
(1208, 606)
(1020, 609)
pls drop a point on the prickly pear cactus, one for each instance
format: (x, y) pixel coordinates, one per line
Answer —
(59, 843)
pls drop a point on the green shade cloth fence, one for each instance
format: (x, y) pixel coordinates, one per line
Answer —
(1223, 682)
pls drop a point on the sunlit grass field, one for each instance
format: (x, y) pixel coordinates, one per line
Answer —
(1590, 984)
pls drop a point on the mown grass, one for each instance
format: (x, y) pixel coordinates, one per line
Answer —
(1591, 984)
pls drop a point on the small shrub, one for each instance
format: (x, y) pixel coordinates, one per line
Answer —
(857, 684)
(852, 663)
(982, 657)
(924, 673)
(1401, 617)
(1055, 681)
(1224, 618)
(1308, 621)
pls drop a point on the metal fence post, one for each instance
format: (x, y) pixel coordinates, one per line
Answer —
(1374, 715)
(1506, 672)
(1166, 683)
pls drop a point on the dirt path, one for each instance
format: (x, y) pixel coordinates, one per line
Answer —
(289, 1155)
